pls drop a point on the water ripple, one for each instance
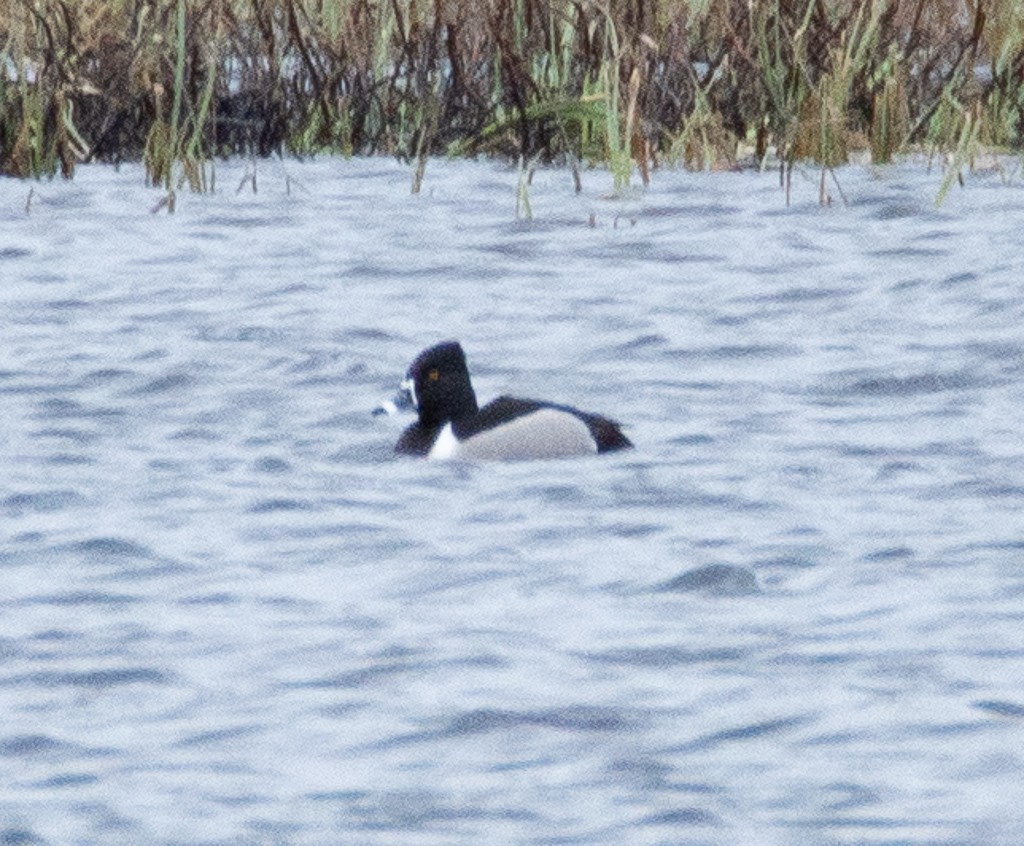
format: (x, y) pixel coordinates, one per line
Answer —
(749, 731)
(91, 678)
(573, 718)
(33, 744)
(664, 657)
(41, 501)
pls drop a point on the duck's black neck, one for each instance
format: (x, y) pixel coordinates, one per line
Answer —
(454, 400)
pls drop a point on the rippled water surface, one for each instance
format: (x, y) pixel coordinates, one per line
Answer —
(793, 615)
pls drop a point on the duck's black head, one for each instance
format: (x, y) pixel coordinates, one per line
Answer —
(439, 383)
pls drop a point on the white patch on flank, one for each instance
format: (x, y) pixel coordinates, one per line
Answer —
(446, 446)
(545, 433)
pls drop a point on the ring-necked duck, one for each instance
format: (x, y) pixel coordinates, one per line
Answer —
(451, 425)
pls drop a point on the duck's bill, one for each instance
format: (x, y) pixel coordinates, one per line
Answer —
(402, 401)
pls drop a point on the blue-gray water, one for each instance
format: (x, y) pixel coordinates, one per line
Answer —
(229, 616)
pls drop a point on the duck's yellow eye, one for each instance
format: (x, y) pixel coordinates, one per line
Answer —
(433, 376)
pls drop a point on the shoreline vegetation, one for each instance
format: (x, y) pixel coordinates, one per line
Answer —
(703, 84)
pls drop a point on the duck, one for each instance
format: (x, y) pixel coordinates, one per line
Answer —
(451, 425)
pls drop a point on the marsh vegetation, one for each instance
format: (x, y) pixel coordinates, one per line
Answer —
(700, 83)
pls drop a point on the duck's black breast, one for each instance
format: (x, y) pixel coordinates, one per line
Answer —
(417, 439)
